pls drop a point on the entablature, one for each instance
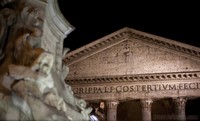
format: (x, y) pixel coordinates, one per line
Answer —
(135, 78)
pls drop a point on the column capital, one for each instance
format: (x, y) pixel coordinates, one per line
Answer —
(112, 104)
(180, 102)
(112, 110)
(146, 103)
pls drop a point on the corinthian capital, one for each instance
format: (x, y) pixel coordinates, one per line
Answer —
(112, 104)
(180, 102)
(146, 104)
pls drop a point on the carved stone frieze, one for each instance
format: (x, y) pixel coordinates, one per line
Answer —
(134, 78)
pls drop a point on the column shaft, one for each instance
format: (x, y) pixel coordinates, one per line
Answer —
(112, 110)
(146, 109)
(180, 109)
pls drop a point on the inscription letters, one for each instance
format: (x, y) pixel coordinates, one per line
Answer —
(136, 88)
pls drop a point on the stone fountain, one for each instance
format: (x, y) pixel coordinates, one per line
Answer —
(32, 74)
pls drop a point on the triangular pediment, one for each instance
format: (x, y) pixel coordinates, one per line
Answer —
(128, 33)
(128, 52)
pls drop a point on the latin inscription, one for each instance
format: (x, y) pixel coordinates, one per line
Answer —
(136, 88)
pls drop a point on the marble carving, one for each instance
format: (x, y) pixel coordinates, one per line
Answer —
(30, 87)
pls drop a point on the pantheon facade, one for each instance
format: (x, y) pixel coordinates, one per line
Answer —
(139, 76)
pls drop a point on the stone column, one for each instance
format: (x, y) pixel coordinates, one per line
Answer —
(112, 110)
(180, 108)
(146, 109)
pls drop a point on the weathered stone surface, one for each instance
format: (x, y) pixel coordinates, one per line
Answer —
(130, 64)
(132, 57)
(32, 75)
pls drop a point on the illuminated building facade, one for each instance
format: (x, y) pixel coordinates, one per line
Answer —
(150, 72)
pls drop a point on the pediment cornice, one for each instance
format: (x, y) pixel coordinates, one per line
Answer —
(135, 78)
(128, 33)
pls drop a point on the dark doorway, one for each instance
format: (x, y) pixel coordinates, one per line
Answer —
(129, 111)
(192, 109)
(162, 110)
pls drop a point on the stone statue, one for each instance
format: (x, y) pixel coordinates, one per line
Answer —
(37, 81)
(32, 17)
(30, 87)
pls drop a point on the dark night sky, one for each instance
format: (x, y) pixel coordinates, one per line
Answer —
(93, 20)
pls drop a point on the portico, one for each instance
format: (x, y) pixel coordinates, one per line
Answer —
(130, 65)
(145, 90)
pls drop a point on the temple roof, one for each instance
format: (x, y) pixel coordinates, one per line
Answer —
(129, 33)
